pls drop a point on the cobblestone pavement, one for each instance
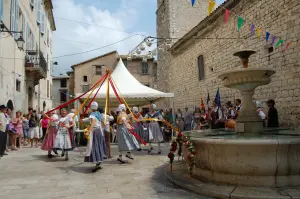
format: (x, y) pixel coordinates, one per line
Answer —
(30, 174)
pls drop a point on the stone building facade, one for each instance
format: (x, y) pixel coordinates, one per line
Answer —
(87, 73)
(174, 19)
(25, 74)
(60, 90)
(280, 18)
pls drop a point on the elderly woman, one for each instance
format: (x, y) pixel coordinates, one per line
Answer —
(96, 148)
(126, 141)
(137, 124)
(155, 132)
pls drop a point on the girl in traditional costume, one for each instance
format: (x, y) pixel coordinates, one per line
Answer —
(137, 124)
(96, 148)
(63, 137)
(126, 141)
(155, 132)
(49, 139)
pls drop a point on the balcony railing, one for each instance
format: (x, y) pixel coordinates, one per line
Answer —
(35, 60)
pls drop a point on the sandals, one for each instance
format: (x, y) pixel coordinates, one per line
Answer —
(121, 161)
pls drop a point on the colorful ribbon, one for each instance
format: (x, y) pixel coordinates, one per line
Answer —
(82, 105)
(73, 100)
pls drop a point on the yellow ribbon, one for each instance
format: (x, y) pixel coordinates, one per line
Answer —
(143, 120)
(85, 101)
(107, 98)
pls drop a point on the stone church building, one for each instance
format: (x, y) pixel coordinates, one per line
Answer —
(194, 49)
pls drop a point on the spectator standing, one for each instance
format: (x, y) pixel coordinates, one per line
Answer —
(188, 118)
(17, 123)
(33, 132)
(44, 123)
(272, 114)
(25, 129)
(3, 135)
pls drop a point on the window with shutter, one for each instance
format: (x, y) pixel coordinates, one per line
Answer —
(28, 38)
(145, 69)
(38, 13)
(12, 15)
(17, 13)
(42, 22)
(32, 41)
(201, 67)
(23, 26)
(1, 10)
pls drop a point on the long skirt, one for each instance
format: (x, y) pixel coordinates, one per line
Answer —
(63, 140)
(126, 141)
(49, 139)
(139, 130)
(96, 148)
(155, 133)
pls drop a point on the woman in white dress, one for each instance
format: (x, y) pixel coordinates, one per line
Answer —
(155, 132)
(63, 137)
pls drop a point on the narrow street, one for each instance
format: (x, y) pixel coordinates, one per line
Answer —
(30, 174)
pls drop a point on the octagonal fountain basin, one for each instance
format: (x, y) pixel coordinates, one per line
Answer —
(270, 159)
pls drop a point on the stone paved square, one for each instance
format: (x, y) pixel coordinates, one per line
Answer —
(30, 174)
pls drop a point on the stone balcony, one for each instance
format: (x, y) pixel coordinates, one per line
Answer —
(36, 66)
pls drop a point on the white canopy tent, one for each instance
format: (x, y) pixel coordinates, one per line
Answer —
(135, 93)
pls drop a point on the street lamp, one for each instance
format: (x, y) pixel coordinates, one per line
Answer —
(20, 43)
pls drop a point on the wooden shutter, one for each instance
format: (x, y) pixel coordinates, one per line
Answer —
(201, 67)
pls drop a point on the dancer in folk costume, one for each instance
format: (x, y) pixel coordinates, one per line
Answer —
(49, 139)
(63, 137)
(155, 131)
(96, 148)
(138, 125)
(126, 141)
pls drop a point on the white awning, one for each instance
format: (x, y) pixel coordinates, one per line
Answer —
(131, 89)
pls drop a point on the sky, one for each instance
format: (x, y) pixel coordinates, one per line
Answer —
(105, 22)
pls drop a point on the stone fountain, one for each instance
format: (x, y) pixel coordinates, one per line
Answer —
(251, 156)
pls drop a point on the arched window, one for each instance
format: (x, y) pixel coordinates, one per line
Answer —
(10, 105)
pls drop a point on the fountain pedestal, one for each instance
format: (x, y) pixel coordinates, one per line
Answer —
(246, 80)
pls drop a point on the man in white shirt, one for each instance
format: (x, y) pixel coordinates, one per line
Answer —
(3, 126)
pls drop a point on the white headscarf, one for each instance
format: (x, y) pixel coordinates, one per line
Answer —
(135, 110)
(121, 107)
(154, 107)
(94, 106)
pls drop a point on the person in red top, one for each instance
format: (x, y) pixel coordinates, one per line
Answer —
(44, 123)
(17, 128)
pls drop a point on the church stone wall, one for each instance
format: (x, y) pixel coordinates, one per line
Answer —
(281, 18)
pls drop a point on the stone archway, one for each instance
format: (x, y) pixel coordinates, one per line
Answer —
(10, 105)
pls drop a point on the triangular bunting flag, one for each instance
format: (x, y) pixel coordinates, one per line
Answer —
(252, 30)
(273, 39)
(193, 2)
(280, 41)
(287, 45)
(226, 17)
(240, 22)
(211, 6)
(258, 32)
(267, 36)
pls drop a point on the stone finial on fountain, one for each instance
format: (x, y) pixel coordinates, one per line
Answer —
(244, 56)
